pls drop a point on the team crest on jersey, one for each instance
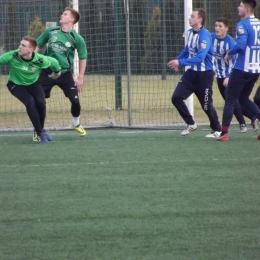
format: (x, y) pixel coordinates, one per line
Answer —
(68, 44)
(240, 30)
(203, 45)
(33, 69)
(54, 39)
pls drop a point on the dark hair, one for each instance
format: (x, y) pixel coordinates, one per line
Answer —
(31, 40)
(223, 20)
(74, 13)
(250, 3)
(201, 14)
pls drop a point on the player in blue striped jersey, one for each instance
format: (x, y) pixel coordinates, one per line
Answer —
(222, 42)
(246, 69)
(198, 79)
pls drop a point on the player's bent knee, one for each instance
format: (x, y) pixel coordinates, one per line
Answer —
(176, 99)
(257, 101)
(41, 104)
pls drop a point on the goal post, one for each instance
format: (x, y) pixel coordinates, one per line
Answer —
(187, 12)
(128, 55)
(75, 5)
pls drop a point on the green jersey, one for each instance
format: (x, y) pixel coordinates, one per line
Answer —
(62, 45)
(26, 72)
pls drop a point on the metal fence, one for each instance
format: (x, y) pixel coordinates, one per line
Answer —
(155, 29)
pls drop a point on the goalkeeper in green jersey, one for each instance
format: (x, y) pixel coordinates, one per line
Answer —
(62, 42)
(25, 66)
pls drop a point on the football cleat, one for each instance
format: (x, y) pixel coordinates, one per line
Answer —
(213, 134)
(188, 129)
(42, 139)
(255, 124)
(223, 137)
(243, 128)
(35, 137)
(81, 131)
(48, 137)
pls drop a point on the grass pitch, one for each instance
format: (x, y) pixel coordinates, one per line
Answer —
(130, 194)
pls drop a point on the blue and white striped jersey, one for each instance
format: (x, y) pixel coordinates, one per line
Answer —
(220, 49)
(198, 52)
(248, 45)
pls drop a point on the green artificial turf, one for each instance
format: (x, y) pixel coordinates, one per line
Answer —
(130, 195)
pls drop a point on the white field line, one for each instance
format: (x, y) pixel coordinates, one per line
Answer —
(28, 134)
(122, 163)
(147, 131)
(64, 133)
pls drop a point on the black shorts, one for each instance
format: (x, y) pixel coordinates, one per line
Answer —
(27, 93)
(65, 82)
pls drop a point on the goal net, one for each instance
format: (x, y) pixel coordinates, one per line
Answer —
(127, 82)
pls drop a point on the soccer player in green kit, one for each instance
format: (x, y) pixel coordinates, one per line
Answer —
(62, 42)
(25, 66)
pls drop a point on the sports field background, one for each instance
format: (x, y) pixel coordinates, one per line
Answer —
(124, 194)
(150, 99)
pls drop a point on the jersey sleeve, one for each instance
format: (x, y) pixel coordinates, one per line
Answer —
(5, 58)
(81, 48)
(231, 62)
(241, 43)
(184, 53)
(49, 62)
(203, 48)
(43, 38)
